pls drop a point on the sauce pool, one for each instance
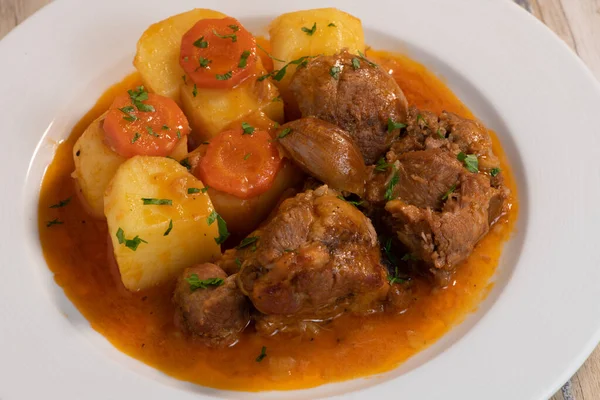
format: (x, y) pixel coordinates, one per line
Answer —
(141, 324)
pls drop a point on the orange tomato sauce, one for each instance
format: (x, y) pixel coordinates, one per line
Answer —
(141, 324)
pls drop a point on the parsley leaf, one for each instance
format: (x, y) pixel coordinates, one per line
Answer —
(355, 63)
(197, 283)
(247, 156)
(394, 278)
(494, 171)
(165, 128)
(238, 262)
(151, 132)
(440, 134)
(55, 221)
(193, 190)
(231, 36)
(185, 163)
(221, 224)
(387, 249)
(244, 59)
(157, 202)
(284, 133)
(449, 192)
(335, 72)
(276, 99)
(381, 165)
(353, 202)
(262, 355)
(234, 28)
(203, 62)
(247, 241)
(127, 111)
(195, 91)
(169, 228)
(248, 129)
(364, 58)
(201, 43)
(204, 189)
(332, 25)
(310, 31)
(224, 77)
(470, 161)
(139, 95)
(269, 54)
(392, 125)
(61, 203)
(135, 137)
(130, 243)
(389, 190)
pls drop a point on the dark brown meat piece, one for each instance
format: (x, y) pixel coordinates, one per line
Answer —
(425, 130)
(317, 257)
(215, 314)
(360, 101)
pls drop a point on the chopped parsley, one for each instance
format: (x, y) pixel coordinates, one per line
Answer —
(139, 95)
(169, 228)
(355, 63)
(157, 202)
(165, 128)
(201, 43)
(495, 171)
(421, 118)
(203, 62)
(364, 58)
(130, 243)
(279, 74)
(389, 254)
(234, 28)
(244, 59)
(127, 111)
(449, 192)
(247, 128)
(135, 137)
(382, 165)
(470, 161)
(221, 224)
(284, 133)
(310, 31)
(440, 134)
(204, 189)
(394, 278)
(55, 221)
(231, 36)
(332, 25)
(353, 202)
(193, 190)
(269, 54)
(225, 76)
(247, 241)
(247, 156)
(178, 134)
(151, 132)
(393, 125)
(276, 99)
(61, 203)
(238, 262)
(195, 91)
(262, 355)
(186, 163)
(184, 78)
(335, 72)
(389, 190)
(197, 283)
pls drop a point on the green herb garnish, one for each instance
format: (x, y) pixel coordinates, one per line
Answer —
(234, 28)
(135, 137)
(470, 161)
(331, 25)
(139, 95)
(393, 125)
(269, 54)
(382, 165)
(244, 59)
(203, 62)
(335, 72)
(495, 171)
(310, 31)
(193, 190)
(247, 156)
(247, 128)
(225, 76)
(127, 111)
(61, 203)
(55, 221)
(169, 228)
(221, 224)
(364, 58)
(389, 190)
(231, 36)
(449, 192)
(157, 202)
(185, 163)
(355, 63)
(201, 43)
(130, 243)
(195, 91)
(151, 132)
(197, 283)
(284, 133)
(262, 355)
(247, 241)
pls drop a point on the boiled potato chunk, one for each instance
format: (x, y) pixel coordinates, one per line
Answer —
(163, 253)
(96, 164)
(289, 42)
(157, 57)
(211, 110)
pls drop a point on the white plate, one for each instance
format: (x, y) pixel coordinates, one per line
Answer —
(539, 323)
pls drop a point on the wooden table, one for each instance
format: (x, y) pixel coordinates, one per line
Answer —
(577, 22)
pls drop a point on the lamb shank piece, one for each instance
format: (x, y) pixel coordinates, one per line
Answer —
(316, 258)
(354, 94)
(210, 306)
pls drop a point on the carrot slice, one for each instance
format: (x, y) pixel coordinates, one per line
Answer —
(240, 163)
(142, 123)
(218, 53)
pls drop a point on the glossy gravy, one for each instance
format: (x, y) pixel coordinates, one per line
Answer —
(141, 324)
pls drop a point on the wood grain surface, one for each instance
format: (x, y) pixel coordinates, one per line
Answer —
(577, 22)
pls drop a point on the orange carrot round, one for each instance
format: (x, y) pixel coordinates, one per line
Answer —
(142, 123)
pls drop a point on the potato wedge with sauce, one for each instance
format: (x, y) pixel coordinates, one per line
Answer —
(171, 237)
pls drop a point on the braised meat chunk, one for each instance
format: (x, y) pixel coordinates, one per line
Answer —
(355, 95)
(210, 306)
(317, 257)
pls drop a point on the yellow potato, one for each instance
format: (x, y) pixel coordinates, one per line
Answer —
(96, 164)
(157, 57)
(190, 241)
(211, 110)
(289, 42)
